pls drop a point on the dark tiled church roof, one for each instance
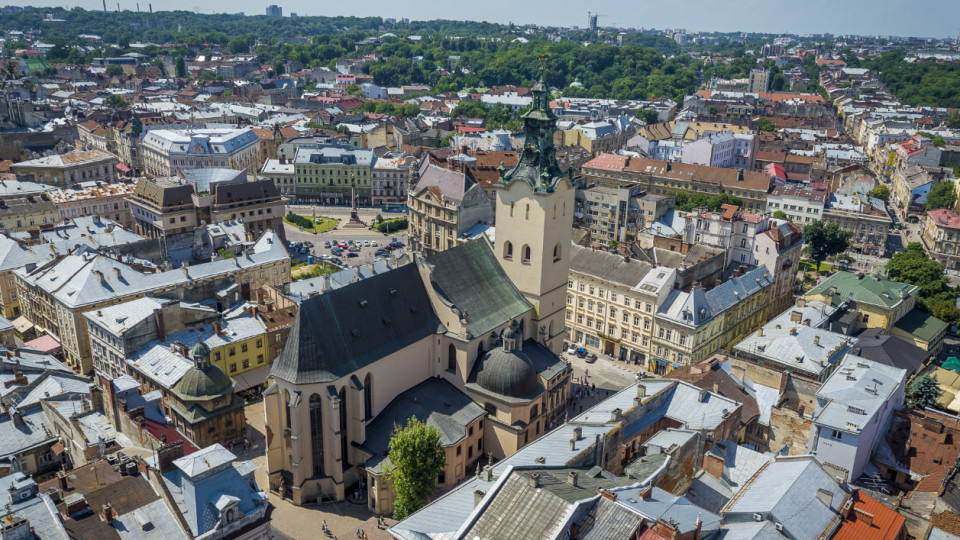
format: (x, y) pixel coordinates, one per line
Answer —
(469, 277)
(337, 333)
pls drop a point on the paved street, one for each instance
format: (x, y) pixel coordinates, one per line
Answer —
(342, 213)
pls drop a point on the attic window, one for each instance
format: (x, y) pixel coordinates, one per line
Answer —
(363, 303)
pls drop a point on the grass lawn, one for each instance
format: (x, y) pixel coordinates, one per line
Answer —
(807, 266)
(320, 225)
(308, 271)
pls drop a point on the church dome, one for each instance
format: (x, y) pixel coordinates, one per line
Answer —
(576, 83)
(202, 384)
(200, 349)
(507, 373)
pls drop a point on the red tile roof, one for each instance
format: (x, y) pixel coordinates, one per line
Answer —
(945, 217)
(868, 518)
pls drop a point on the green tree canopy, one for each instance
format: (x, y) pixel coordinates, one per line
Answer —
(114, 70)
(181, 67)
(780, 214)
(943, 195)
(766, 124)
(881, 192)
(116, 101)
(416, 458)
(913, 266)
(824, 240)
(953, 120)
(923, 392)
(691, 201)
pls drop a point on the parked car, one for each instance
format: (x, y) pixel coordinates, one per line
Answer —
(336, 261)
(366, 243)
(353, 254)
(354, 248)
(581, 352)
(373, 244)
(308, 244)
(591, 358)
(572, 349)
(382, 253)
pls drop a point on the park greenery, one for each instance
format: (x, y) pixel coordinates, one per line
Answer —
(917, 83)
(942, 195)
(416, 459)
(780, 214)
(936, 296)
(388, 226)
(824, 240)
(881, 192)
(317, 225)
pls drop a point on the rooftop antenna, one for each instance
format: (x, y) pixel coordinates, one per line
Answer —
(151, 7)
(104, 6)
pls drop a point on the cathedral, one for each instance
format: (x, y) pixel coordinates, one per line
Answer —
(466, 340)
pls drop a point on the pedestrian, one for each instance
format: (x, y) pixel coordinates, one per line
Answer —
(593, 387)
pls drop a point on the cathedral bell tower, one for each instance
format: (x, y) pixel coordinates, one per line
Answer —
(534, 221)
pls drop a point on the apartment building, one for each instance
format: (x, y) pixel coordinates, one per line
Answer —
(390, 178)
(443, 206)
(941, 236)
(866, 217)
(55, 295)
(666, 178)
(801, 204)
(165, 151)
(27, 212)
(67, 170)
(331, 174)
(96, 198)
(618, 213)
(880, 302)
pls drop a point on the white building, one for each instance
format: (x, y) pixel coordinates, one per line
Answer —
(164, 151)
(853, 411)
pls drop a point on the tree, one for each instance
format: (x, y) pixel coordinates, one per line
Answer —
(612, 244)
(942, 195)
(114, 70)
(946, 310)
(824, 240)
(181, 67)
(881, 192)
(780, 214)
(953, 120)
(279, 69)
(913, 266)
(116, 101)
(766, 124)
(416, 458)
(923, 392)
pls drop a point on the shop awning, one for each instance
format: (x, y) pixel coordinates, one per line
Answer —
(251, 378)
(123, 168)
(22, 324)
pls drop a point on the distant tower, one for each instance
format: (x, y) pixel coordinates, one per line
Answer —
(535, 202)
(592, 21)
(274, 10)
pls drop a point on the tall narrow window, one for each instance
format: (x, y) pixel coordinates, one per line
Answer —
(452, 358)
(368, 396)
(527, 216)
(316, 434)
(556, 252)
(286, 407)
(508, 251)
(511, 209)
(525, 258)
(343, 428)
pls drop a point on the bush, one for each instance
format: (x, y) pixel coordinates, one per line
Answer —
(299, 221)
(391, 225)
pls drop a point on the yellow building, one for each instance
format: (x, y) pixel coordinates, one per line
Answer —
(880, 302)
(30, 212)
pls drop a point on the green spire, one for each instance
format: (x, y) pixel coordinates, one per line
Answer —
(538, 158)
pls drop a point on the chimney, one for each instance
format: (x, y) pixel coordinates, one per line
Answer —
(641, 391)
(645, 492)
(62, 480)
(167, 453)
(535, 480)
(74, 506)
(326, 283)
(17, 417)
(573, 444)
(577, 433)
(793, 331)
(161, 329)
(217, 328)
(713, 465)
(96, 398)
(572, 478)
(816, 340)
(487, 474)
(477, 497)
(107, 513)
(616, 415)
(716, 388)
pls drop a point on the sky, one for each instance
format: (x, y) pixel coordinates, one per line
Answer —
(926, 18)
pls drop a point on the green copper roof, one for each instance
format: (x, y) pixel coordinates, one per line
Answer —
(865, 289)
(538, 158)
(203, 384)
(923, 325)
